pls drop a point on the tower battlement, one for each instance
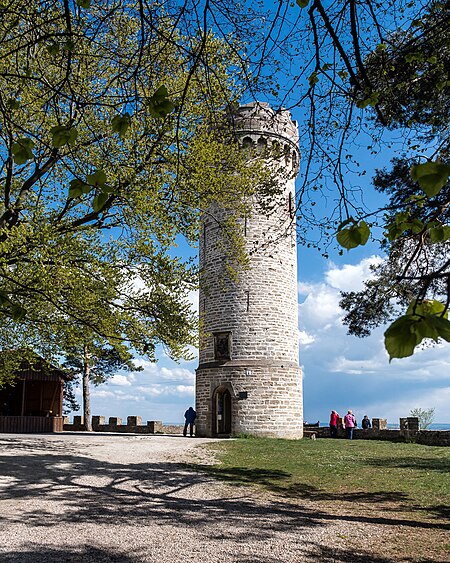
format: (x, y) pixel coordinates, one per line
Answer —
(259, 117)
(258, 126)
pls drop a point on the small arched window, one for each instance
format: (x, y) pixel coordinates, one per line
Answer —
(247, 143)
(276, 149)
(294, 160)
(262, 145)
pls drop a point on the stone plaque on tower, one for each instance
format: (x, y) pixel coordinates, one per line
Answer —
(248, 379)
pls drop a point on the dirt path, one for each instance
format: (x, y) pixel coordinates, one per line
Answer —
(114, 498)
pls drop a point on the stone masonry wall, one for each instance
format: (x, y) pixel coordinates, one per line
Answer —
(272, 405)
(133, 426)
(259, 312)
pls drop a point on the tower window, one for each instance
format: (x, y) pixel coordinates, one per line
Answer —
(222, 346)
(262, 145)
(247, 143)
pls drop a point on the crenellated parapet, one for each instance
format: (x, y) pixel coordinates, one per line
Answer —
(261, 128)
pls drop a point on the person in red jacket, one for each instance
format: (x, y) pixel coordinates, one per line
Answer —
(334, 418)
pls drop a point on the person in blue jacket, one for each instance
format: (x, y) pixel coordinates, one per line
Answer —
(190, 416)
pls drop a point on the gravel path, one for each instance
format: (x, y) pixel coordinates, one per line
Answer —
(121, 498)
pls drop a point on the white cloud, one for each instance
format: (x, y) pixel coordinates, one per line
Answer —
(351, 277)
(185, 389)
(357, 367)
(158, 390)
(121, 380)
(104, 394)
(394, 408)
(176, 374)
(320, 308)
(342, 371)
(304, 338)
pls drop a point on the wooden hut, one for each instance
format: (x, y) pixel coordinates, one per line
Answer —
(35, 402)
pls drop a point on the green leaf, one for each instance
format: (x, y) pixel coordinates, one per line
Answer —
(120, 124)
(53, 49)
(313, 79)
(84, 3)
(4, 299)
(440, 233)
(411, 57)
(356, 235)
(99, 201)
(17, 312)
(159, 105)
(361, 104)
(346, 222)
(431, 176)
(302, 3)
(423, 319)
(371, 100)
(12, 103)
(22, 150)
(63, 135)
(97, 179)
(393, 231)
(424, 328)
(78, 188)
(161, 93)
(442, 327)
(400, 338)
(426, 307)
(69, 46)
(416, 225)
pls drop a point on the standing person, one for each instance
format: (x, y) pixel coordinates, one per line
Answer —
(334, 418)
(365, 423)
(350, 424)
(190, 416)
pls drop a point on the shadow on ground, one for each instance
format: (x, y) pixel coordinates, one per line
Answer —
(392, 501)
(78, 488)
(96, 555)
(420, 463)
(85, 553)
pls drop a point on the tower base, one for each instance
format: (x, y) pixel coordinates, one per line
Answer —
(262, 399)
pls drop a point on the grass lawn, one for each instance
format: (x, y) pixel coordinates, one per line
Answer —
(405, 487)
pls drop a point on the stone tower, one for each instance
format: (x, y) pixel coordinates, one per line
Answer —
(248, 379)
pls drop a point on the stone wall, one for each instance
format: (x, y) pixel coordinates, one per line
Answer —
(257, 315)
(408, 432)
(133, 425)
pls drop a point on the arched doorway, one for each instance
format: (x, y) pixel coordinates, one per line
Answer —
(221, 411)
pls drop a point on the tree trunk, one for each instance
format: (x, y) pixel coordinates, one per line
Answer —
(86, 389)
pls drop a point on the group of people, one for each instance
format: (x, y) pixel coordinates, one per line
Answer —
(349, 422)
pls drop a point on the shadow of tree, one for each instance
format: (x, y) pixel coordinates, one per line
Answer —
(423, 464)
(302, 491)
(321, 553)
(89, 490)
(68, 555)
